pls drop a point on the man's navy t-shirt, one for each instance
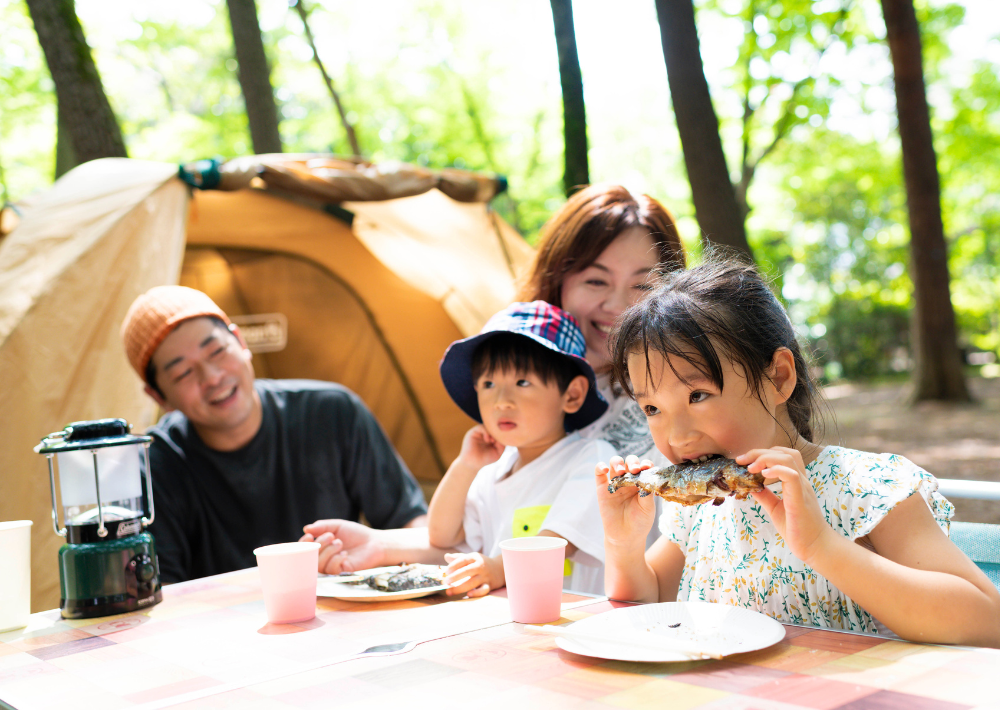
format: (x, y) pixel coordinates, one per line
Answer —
(319, 454)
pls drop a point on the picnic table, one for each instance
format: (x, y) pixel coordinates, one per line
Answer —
(208, 645)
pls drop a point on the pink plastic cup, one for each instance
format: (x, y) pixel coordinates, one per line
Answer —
(288, 577)
(533, 567)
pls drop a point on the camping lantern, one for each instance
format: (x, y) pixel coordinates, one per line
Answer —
(108, 564)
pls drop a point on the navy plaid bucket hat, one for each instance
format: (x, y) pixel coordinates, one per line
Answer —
(546, 325)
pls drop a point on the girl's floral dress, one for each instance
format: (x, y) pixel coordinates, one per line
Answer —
(733, 554)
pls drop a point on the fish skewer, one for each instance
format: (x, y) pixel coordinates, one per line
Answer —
(694, 482)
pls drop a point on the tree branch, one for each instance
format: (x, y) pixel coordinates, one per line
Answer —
(348, 128)
(784, 124)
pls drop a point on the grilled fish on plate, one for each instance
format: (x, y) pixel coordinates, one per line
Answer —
(694, 482)
(397, 579)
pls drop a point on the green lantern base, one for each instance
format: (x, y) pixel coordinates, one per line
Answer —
(108, 577)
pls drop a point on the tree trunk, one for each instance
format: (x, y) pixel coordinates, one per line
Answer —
(938, 373)
(577, 171)
(352, 137)
(255, 76)
(65, 154)
(86, 120)
(715, 206)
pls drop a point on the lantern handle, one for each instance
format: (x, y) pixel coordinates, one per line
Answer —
(146, 522)
(101, 530)
(61, 532)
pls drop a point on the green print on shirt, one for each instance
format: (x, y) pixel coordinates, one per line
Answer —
(528, 523)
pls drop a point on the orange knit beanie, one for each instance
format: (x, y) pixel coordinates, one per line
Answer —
(154, 314)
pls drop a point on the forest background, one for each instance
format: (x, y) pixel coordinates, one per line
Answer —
(816, 161)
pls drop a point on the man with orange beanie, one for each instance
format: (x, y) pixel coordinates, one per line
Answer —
(239, 462)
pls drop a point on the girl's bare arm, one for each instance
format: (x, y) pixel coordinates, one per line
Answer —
(920, 584)
(652, 577)
(632, 573)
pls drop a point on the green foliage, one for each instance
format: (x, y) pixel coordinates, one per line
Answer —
(830, 222)
(27, 107)
(803, 89)
(178, 119)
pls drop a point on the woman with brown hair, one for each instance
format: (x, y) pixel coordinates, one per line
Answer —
(596, 257)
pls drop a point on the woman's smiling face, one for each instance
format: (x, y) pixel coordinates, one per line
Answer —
(599, 293)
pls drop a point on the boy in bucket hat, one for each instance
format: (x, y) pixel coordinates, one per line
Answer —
(522, 471)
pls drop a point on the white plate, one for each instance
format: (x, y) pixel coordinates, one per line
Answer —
(328, 586)
(716, 628)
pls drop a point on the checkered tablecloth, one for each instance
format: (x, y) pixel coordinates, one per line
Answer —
(208, 645)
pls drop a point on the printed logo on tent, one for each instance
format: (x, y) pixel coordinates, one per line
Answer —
(264, 332)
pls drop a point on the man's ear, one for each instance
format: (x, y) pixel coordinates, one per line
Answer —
(158, 398)
(235, 330)
(575, 394)
(782, 374)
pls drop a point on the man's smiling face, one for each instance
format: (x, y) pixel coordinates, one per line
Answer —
(204, 371)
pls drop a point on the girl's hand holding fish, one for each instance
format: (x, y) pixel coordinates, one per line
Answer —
(627, 517)
(796, 514)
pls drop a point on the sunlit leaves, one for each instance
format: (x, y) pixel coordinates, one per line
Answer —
(27, 107)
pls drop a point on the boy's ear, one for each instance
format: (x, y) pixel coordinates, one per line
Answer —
(782, 374)
(575, 394)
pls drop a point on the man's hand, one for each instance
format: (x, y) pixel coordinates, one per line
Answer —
(481, 574)
(345, 546)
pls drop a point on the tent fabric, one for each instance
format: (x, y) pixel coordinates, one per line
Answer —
(389, 265)
(446, 253)
(334, 179)
(372, 304)
(68, 274)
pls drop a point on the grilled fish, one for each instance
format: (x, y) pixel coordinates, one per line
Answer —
(694, 482)
(398, 579)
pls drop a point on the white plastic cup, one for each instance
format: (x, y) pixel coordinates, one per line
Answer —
(533, 567)
(288, 573)
(15, 574)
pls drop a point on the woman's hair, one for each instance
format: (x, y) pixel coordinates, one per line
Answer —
(721, 306)
(590, 220)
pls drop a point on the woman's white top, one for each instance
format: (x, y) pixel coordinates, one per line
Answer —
(555, 492)
(734, 555)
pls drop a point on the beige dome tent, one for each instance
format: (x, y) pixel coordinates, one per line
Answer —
(339, 271)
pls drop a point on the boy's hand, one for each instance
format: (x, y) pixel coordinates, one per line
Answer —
(479, 448)
(627, 518)
(796, 514)
(483, 574)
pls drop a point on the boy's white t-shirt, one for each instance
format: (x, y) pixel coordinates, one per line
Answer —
(554, 492)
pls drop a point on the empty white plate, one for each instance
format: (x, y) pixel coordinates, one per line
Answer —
(712, 628)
